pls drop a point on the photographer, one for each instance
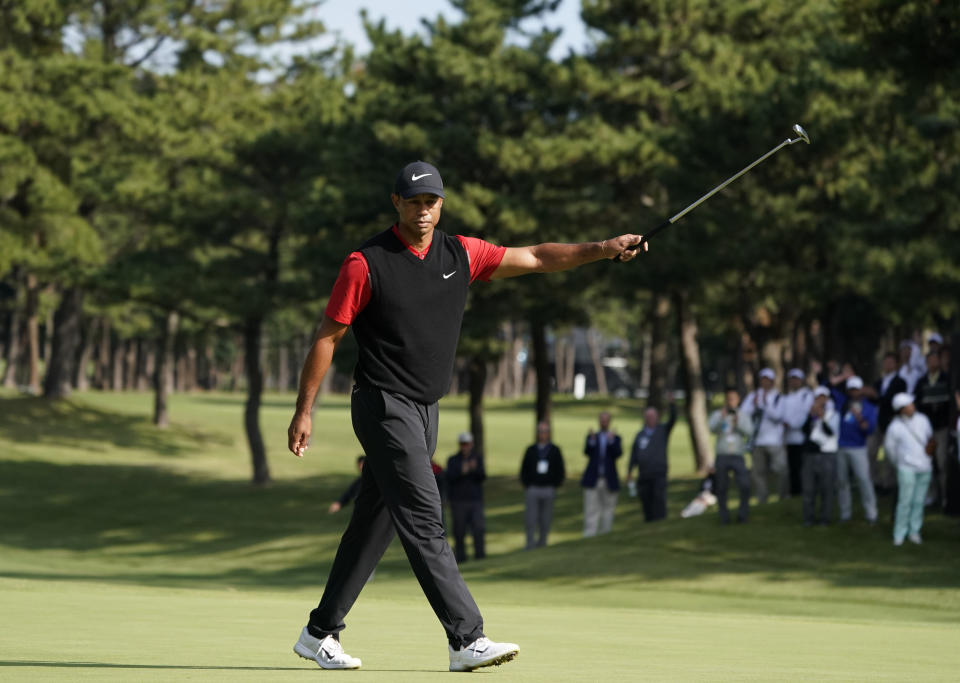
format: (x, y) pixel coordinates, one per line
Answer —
(821, 432)
(732, 430)
(768, 453)
(858, 421)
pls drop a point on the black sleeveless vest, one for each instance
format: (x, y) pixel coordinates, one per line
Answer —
(407, 334)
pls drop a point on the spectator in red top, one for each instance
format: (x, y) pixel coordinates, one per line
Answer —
(403, 293)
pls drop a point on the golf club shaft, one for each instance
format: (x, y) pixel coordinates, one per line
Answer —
(709, 194)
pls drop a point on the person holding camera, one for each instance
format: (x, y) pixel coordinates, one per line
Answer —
(732, 428)
(767, 450)
(910, 444)
(858, 420)
(821, 438)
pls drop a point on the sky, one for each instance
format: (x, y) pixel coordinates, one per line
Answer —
(343, 17)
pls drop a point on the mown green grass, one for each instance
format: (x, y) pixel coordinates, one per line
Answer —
(131, 553)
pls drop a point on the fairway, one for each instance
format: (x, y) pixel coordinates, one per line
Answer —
(128, 553)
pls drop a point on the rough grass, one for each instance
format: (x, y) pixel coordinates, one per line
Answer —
(132, 553)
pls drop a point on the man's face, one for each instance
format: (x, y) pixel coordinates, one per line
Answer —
(543, 433)
(651, 417)
(419, 213)
(904, 355)
(854, 394)
(604, 421)
(819, 402)
(733, 400)
(889, 364)
(794, 383)
(908, 410)
(466, 448)
(766, 383)
(933, 362)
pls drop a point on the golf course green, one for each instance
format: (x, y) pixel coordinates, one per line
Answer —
(133, 553)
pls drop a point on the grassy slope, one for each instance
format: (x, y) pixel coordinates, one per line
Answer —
(147, 548)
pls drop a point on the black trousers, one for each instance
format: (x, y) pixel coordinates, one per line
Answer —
(468, 514)
(398, 494)
(652, 490)
(724, 465)
(819, 481)
(795, 467)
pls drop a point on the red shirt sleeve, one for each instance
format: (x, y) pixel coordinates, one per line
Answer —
(351, 291)
(484, 257)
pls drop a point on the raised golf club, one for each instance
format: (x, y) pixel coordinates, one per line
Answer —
(801, 135)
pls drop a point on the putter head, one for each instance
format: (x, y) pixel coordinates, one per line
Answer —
(801, 133)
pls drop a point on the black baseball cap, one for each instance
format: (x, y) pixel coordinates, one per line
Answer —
(418, 177)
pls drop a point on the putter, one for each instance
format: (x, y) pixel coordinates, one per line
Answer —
(801, 135)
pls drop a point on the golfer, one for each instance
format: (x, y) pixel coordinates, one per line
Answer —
(404, 293)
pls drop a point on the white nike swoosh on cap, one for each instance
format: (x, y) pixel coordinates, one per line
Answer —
(448, 275)
(415, 177)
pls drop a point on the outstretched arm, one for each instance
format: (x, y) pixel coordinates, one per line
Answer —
(551, 257)
(314, 370)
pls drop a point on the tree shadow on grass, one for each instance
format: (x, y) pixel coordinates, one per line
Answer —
(149, 525)
(72, 425)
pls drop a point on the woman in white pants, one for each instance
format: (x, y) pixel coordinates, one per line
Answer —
(907, 445)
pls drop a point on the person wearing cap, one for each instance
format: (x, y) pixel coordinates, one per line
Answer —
(404, 292)
(541, 472)
(733, 427)
(821, 432)
(768, 454)
(465, 477)
(858, 419)
(909, 443)
(600, 481)
(933, 397)
(796, 410)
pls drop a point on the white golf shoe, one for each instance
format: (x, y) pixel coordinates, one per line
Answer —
(915, 538)
(327, 652)
(481, 652)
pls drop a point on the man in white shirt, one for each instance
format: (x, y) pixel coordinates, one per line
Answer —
(768, 455)
(909, 444)
(796, 409)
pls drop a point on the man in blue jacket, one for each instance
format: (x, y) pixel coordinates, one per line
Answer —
(858, 420)
(600, 481)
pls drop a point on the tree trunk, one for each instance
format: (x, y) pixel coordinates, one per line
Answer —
(659, 312)
(33, 334)
(81, 380)
(597, 357)
(58, 381)
(163, 374)
(12, 351)
(130, 365)
(283, 368)
(696, 404)
(48, 332)
(116, 364)
(101, 372)
(541, 364)
(237, 368)
(251, 351)
(477, 372)
(146, 365)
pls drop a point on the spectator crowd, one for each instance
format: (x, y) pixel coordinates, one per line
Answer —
(820, 439)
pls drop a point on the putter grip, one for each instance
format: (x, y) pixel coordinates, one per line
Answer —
(646, 238)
